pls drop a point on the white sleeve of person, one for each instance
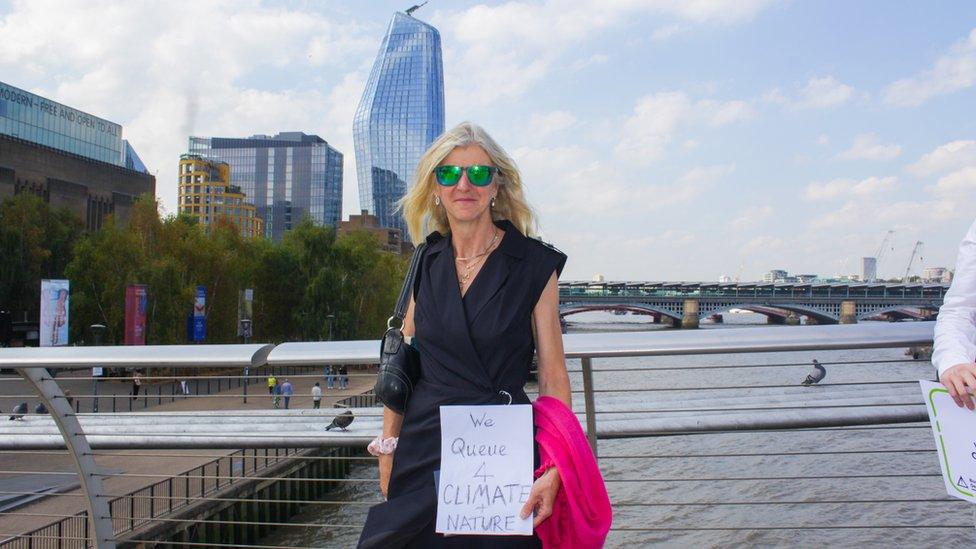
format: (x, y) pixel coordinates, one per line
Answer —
(955, 328)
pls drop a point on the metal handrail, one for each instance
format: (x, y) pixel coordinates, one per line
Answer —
(196, 476)
(586, 347)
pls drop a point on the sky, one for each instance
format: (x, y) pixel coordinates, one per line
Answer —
(658, 139)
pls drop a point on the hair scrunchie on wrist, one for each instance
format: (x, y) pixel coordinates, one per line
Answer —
(382, 446)
(549, 464)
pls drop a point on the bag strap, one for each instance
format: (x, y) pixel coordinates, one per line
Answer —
(401, 307)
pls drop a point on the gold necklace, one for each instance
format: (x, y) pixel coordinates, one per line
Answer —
(490, 242)
(466, 274)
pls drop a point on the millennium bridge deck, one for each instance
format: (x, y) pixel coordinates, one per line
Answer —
(704, 438)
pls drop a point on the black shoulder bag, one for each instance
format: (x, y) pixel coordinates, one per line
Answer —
(399, 362)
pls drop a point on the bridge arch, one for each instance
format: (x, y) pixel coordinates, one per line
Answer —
(567, 310)
(901, 311)
(822, 317)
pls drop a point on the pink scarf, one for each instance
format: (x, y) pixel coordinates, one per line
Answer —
(581, 514)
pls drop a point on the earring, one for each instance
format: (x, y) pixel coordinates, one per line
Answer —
(437, 200)
(493, 202)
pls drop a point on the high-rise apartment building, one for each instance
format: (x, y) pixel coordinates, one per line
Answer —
(288, 176)
(400, 114)
(869, 269)
(207, 195)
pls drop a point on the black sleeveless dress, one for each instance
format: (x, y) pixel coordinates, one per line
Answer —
(471, 349)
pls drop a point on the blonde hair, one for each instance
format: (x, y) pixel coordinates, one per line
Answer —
(418, 208)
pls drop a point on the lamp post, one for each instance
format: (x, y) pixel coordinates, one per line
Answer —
(331, 319)
(98, 332)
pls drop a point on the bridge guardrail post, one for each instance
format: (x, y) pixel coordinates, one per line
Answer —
(588, 402)
(78, 448)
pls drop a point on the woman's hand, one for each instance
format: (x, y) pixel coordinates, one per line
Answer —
(543, 496)
(960, 380)
(386, 467)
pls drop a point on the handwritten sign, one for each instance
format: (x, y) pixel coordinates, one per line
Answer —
(955, 438)
(486, 470)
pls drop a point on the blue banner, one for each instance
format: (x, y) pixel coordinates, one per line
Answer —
(199, 315)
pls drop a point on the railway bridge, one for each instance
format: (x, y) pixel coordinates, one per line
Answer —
(686, 304)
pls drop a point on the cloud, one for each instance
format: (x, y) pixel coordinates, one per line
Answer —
(664, 33)
(762, 244)
(751, 217)
(588, 186)
(867, 146)
(586, 62)
(532, 50)
(822, 93)
(954, 71)
(839, 188)
(658, 117)
(854, 213)
(543, 125)
(944, 158)
(957, 183)
(818, 93)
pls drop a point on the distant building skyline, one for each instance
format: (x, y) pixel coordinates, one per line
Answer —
(287, 176)
(399, 115)
(629, 104)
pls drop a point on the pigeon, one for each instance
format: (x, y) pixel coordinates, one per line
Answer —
(19, 411)
(816, 376)
(40, 408)
(341, 421)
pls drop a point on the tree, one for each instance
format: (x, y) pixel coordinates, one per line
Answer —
(35, 243)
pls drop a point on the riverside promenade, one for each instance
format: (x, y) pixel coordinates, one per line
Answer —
(132, 469)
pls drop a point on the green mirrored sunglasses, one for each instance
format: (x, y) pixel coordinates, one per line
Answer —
(477, 175)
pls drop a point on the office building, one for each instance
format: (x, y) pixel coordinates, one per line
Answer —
(869, 269)
(775, 275)
(206, 194)
(288, 176)
(400, 114)
(937, 275)
(68, 157)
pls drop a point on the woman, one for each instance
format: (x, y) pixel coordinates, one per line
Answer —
(484, 299)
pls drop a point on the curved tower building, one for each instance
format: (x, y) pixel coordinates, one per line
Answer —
(399, 116)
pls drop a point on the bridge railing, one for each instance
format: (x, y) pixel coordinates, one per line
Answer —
(664, 410)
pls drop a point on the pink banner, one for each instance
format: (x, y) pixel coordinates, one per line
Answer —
(136, 299)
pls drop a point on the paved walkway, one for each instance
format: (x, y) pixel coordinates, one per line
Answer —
(148, 462)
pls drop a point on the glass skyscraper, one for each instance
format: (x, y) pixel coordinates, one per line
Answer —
(399, 116)
(287, 177)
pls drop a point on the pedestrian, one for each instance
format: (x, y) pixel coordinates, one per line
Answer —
(287, 391)
(276, 395)
(343, 377)
(68, 397)
(329, 377)
(467, 204)
(272, 381)
(136, 384)
(954, 354)
(185, 387)
(316, 396)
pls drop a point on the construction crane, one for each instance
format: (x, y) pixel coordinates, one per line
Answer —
(414, 8)
(917, 250)
(881, 251)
